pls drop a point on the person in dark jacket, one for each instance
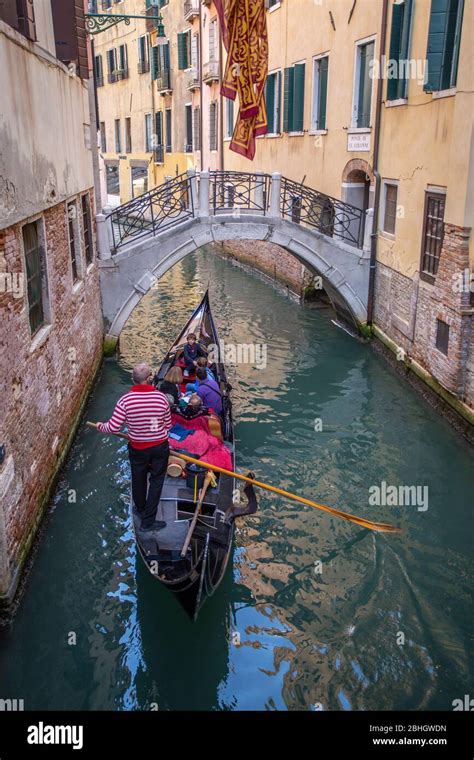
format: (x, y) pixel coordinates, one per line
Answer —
(171, 382)
(192, 352)
(209, 391)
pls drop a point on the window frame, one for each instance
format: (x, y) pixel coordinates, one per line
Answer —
(386, 183)
(38, 221)
(118, 135)
(277, 106)
(87, 229)
(74, 241)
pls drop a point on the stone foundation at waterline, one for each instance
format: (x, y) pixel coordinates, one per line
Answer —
(45, 380)
(409, 310)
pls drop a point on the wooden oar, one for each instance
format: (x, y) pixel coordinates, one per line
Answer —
(381, 527)
(202, 492)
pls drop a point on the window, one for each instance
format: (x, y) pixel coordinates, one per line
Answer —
(160, 66)
(433, 233)
(139, 180)
(74, 250)
(103, 137)
(143, 54)
(158, 139)
(87, 228)
(293, 100)
(169, 135)
(36, 279)
(195, 53)
(442, 336)
(229, 117)
(122, 68)
(399, 50)
(98, 71)
(272, 3)
(111, 65)
(444, 38)
(20, 14)
(320, 92)
(213, 125)
(362, 101)
(389, 207)
(148, 133)
(128, 135)
(118, 138)
(184, 50)
(273, 102)
(197, 128)
(106, 4)
(213, 41)
(112, 176)
(188, 148)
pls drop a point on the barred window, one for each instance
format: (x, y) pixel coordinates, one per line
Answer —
(433, 234)
(37, 286)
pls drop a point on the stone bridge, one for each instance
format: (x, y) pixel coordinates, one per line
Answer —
(139, 241)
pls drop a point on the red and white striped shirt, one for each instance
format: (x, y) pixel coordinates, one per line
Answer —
(146, 412)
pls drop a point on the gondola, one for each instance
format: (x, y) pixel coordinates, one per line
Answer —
(196, 576)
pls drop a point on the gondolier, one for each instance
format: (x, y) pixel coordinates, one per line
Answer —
(146, 413)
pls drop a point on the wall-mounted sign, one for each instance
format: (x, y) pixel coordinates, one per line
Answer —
(359, 141)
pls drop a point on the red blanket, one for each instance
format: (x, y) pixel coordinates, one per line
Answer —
(202, 444)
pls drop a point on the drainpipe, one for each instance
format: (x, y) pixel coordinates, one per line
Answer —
(201, 98)
(375, 164)
(221, 104)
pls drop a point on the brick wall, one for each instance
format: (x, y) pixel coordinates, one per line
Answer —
(270, 259)
(42, 387)
(407, 310)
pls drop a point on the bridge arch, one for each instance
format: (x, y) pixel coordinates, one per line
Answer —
(129, 275)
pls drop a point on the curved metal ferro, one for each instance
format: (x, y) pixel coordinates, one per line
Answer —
(99, 22)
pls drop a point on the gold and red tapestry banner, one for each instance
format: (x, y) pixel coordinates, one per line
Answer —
(244, 33)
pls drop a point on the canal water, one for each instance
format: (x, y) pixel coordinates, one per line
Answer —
(314, 613)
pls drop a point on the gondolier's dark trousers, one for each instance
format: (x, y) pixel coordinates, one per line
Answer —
(143, 461)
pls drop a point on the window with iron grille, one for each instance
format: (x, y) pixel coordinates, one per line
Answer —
(390, 208)
(197, 128)
(213, 125)
(433, 234)
(87, 228)
(74, 251)
(442, 336)
(128, 135)
(37, 286)
(103, 137)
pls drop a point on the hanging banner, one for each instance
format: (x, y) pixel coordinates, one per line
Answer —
(243, 26)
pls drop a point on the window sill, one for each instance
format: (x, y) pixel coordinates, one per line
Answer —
(387, 235)
(272, 135)
(443, 94)
(274, 7)
(40, 338)
(227, 139)
(359, 130)
(295, 134)
(395, 103)
(429, 278)
(318, 132)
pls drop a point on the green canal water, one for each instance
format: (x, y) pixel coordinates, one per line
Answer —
(313, 612)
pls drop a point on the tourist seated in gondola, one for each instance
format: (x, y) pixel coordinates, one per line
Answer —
(191, 353)
(208, 391)
(204, 363)
(194, 407)
(171, 382)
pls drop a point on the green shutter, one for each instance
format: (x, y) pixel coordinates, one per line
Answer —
(323, 92)
(166, 56)
(182, 51)
(278, 102)
(270, 102)
(365, 86)
(298, 102)
(154, 62)
(159, 128)
(435, 48)
(451, 46)
(395, 47)
(288, 100)
(404, 47)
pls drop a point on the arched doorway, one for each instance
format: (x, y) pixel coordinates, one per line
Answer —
(358, 184)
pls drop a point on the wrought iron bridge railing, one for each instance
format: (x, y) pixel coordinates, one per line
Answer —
(238, 193)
